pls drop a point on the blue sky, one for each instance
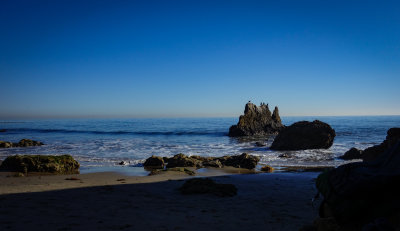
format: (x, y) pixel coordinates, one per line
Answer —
(198, 58)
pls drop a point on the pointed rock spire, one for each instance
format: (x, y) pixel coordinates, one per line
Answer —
(257, 121)
(275, 115)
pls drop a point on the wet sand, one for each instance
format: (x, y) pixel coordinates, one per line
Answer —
(112, 201)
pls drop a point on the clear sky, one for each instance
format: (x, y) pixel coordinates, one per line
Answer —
(198, 58)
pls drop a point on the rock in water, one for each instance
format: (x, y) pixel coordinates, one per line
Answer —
(21, 143)
(154, 162)
(257, 121)
(28, 143)
(305, 135)
(64, 164)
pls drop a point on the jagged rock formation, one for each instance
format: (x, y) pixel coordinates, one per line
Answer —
(371, 153)
(63, 164)
(304, 135)
(257, 121)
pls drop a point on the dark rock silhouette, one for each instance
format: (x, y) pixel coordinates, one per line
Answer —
(63, 164)
(362, 192)
(371, 153)
(353, 153)
(304, 135)
(257, 121)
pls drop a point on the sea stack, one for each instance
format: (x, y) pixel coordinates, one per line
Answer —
(257, 121)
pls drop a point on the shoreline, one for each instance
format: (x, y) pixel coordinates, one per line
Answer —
(112, 201)
(12, 182)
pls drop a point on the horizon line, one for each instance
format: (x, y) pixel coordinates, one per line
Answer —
(169, 117)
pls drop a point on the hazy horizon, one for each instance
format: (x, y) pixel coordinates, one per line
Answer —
(174, 59)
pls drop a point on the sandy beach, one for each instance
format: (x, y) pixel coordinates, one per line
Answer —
(111, 201)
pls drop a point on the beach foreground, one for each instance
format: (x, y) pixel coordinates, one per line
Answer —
(111, 201)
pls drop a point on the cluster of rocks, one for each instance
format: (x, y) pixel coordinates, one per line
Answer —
(257, 121)
(305, 135)
(54, 164)
(371, 153)
(21, 143)
(181, 160)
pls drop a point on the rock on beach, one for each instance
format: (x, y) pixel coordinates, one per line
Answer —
(54, 164)
(181, 160)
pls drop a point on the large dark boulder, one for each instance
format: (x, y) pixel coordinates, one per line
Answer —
(154, 162)
(305, 135)
(362, 192)
(257, 121)
(64, 164)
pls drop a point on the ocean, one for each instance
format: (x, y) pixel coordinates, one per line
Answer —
(100, 144)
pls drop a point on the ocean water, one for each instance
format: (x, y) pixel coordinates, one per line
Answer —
(99, 145)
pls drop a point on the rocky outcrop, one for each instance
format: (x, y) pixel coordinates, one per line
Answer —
(305, 135)
(6, 144)
(371, 153)
(240, 161)
(154, 162)
(21, 143)
(208, 186)
(392, 137)
(64, 164)
(257, 121)
(181, 160)
(362, 192)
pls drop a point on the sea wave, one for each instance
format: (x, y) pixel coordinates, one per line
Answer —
(121, 132)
